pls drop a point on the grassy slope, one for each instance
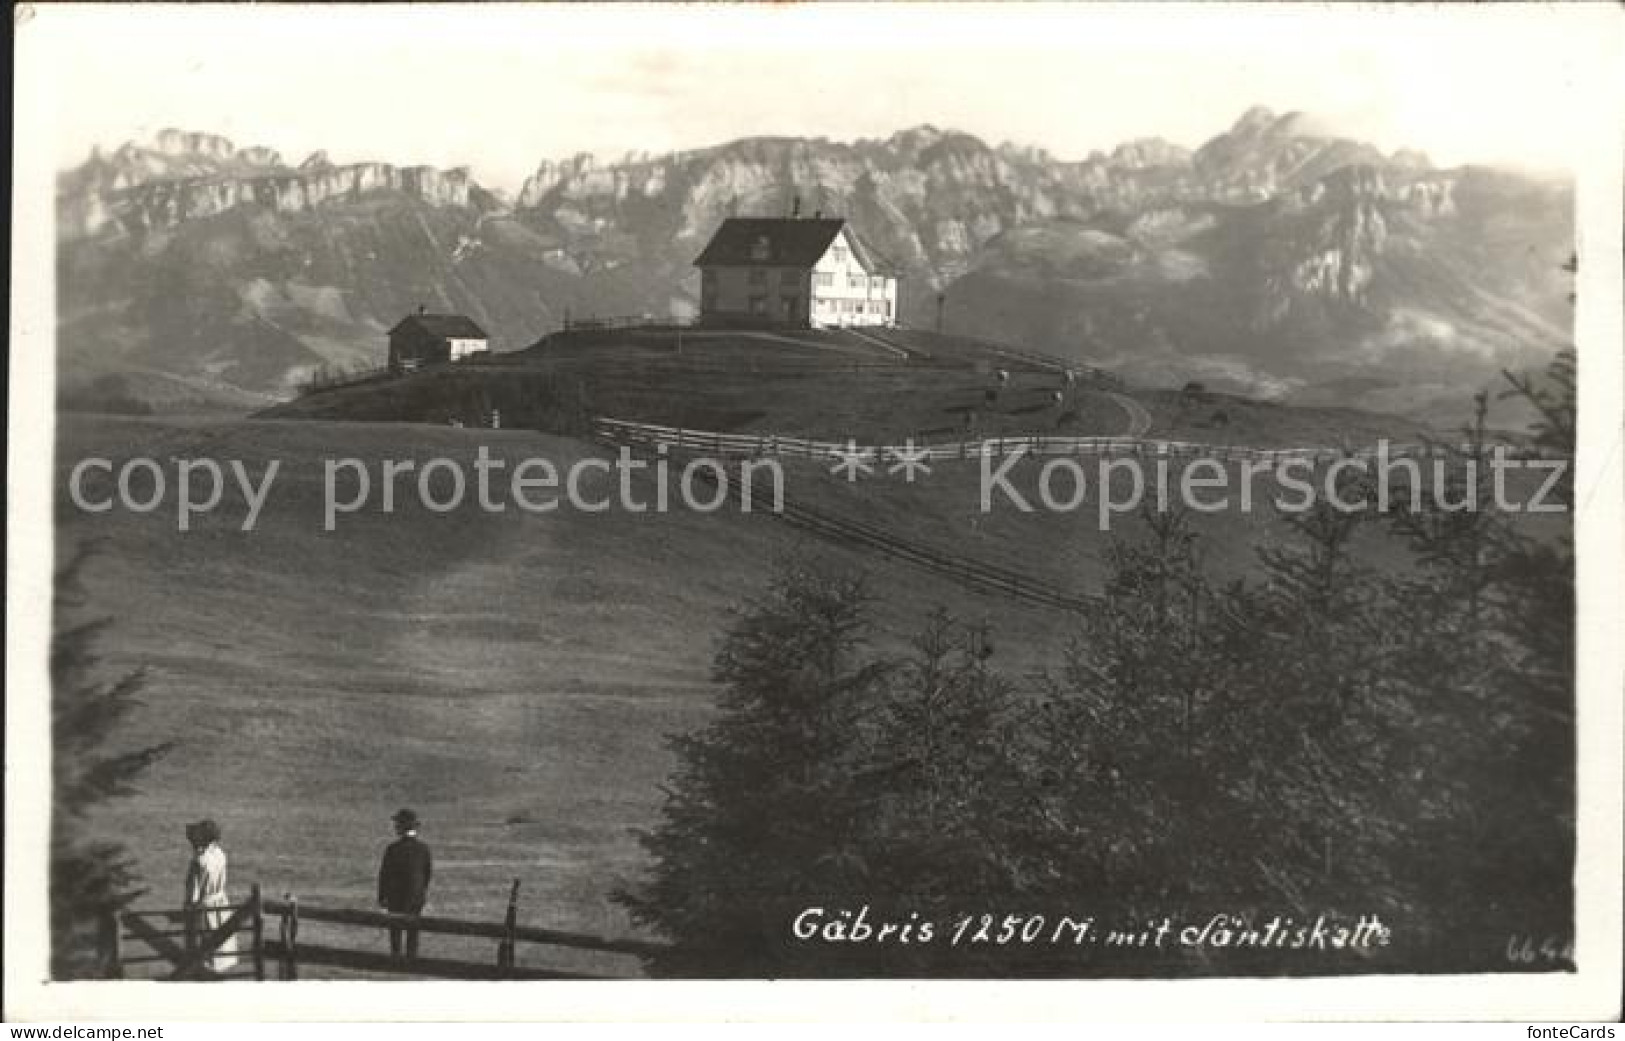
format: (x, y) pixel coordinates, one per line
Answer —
(1069, 549)
(510, 676)
(824, 388)
(1229, 419)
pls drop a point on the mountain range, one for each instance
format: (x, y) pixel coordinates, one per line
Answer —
(1278, 259)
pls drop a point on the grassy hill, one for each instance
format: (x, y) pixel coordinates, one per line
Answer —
(1232, 419)
(829, 385)
(510, 676)
(820, 384)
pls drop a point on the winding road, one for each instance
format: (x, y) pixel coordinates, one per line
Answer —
(1139, 420)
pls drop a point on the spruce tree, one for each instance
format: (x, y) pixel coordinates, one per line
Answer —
(1482, 671)
(761, 820)
(90, 876)
(954, 819)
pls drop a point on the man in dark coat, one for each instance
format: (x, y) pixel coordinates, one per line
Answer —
(403, 881)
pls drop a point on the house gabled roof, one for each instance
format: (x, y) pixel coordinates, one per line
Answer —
(869, 257)
(443, 326)
(790, 241)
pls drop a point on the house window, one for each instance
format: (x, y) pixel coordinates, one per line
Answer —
(855, 281)
(758, 305)
(761, 249)
(877, 282)
(839, 253)
(824, 280)
(789, 276)
(758, 276)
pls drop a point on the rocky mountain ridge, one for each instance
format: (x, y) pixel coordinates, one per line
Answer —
(1275, 256)
(180, 176)
(931, 200)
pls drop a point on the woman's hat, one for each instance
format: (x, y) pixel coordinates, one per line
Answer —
(405, 818)
(207, 830)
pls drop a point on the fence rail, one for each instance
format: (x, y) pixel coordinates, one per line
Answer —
(462, 927)
(331, 956)
(189, 950)
(290, 952)
(623, 431)
(628, 321)
(322, 380)
(1026, 356)
(195, 950)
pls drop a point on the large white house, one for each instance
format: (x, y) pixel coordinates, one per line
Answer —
(791, 271)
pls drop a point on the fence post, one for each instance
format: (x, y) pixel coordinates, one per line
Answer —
(506, 958)
(257, 921)
(113, 945)
(290, 936)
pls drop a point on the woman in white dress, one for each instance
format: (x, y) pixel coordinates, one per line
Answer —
(207, 905)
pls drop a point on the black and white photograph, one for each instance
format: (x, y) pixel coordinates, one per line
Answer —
(1093, 495)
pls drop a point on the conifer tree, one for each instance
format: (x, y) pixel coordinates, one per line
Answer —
(953, 823)
(1486, 665)
(1128, 734)
(89, 876)
(761, 820)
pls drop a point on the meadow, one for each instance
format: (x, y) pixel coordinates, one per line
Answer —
(510, 676)
(513, 676)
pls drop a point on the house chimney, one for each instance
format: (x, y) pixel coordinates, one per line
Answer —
(422, 309)
(795, 208)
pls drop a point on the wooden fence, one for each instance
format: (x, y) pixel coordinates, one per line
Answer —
(176, 945)
(1022, 356)
(168, 944)
(764, 445)
(594, 323)
(332, 379)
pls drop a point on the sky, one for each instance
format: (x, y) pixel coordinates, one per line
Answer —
(501, 87)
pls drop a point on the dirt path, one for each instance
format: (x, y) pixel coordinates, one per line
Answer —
(1139, 420)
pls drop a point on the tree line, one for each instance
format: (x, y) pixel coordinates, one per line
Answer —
(1321, 737)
